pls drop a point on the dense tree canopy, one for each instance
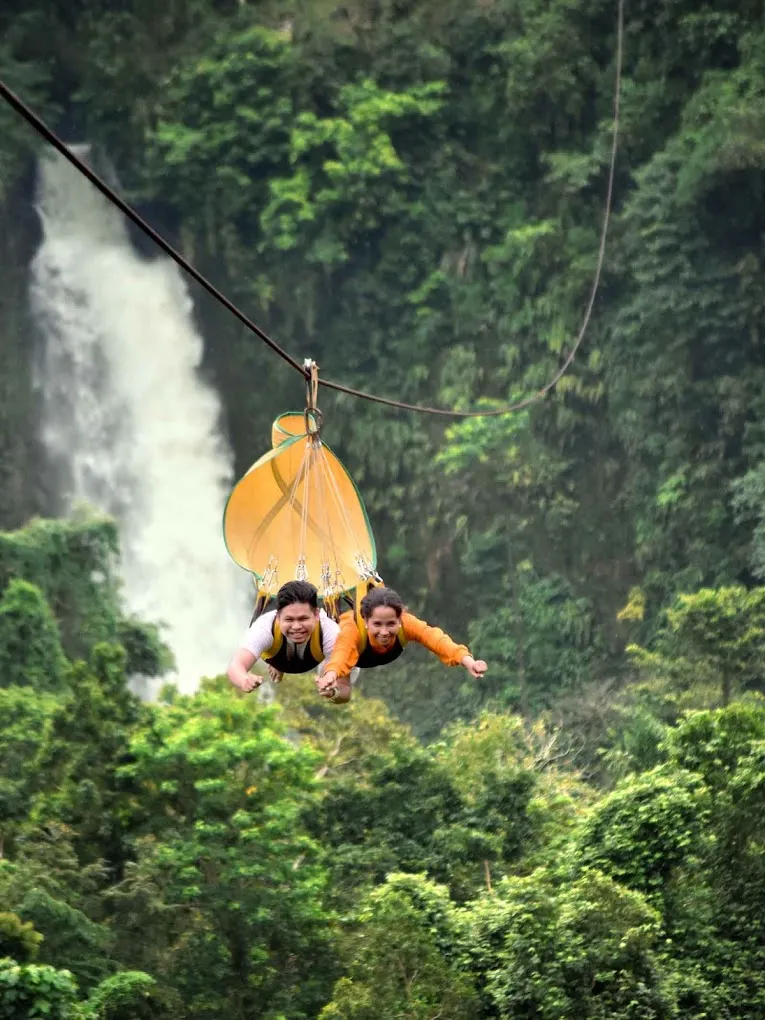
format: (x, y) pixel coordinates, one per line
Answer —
(412, 194)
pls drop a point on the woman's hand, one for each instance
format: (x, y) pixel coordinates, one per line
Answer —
(475, 667)
(326, 683)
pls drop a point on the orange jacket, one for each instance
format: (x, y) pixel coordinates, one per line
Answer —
(345, 654)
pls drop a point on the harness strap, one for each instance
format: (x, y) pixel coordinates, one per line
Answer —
(262, 603)
(278, 641)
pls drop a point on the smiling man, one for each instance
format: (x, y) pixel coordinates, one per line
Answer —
(296, 637)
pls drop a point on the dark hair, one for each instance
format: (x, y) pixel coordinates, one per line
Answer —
(297, 591)
(381, 597)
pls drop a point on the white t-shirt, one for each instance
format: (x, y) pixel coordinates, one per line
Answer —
(260, 636)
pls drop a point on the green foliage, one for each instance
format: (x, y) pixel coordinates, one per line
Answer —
(594, 951)
(406, 975)
(146, 653)
(512, 788)
(73, 563)
(28, 79)
(225, 877)
(542, 639)
(24, 717)
(18, 940)
(713, 638)
(34, 991)
(88, 735)
(225, 162)
(713, 743)
(46, 884)
(726, 626)
(30, 647)
(412, 195)
(636, 742)
(724, 123)
(749, 503)
(477, 804)
(648, 827)
(61, 577)
(129, 995)
(394, 817)
(346, 168)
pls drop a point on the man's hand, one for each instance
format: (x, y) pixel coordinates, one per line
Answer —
(248, 682)
(275, 675)
(239, 671)
(475, 667)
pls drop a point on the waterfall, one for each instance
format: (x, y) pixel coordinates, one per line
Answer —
(129, 424)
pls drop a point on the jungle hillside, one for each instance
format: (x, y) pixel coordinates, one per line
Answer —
(412, 194)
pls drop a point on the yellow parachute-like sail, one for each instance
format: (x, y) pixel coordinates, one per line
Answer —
(297, 514)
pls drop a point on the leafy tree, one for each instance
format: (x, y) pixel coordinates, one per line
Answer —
(647, 828)
(129, 995)
(24, 716)
(34, 991)
(74, 564)
(88, 734)
(587, 950)
(409, 975)
(46, 885)
(18, 939)
(393, 818)
(225, 879)
(30, 990)
(30, 648)
(713, 639)
(713, 919)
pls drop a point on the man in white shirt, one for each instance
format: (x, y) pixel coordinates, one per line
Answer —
(296, 637)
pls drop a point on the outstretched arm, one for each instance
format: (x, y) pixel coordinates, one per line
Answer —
(257, 640)
(239, 671)
(438, 642)
(345, 653)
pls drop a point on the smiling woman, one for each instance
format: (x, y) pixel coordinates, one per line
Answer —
(377, 634)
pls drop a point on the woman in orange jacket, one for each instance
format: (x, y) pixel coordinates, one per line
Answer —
(379, 636)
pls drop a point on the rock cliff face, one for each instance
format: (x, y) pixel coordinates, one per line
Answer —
(23, 489)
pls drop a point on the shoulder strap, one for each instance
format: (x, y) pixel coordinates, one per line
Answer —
(316, 643)
(263, 602)
(363, 640)
(278, 641)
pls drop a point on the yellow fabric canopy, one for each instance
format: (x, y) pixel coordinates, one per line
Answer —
(297, 514)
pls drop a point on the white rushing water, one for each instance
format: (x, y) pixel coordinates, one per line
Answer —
(130, 424)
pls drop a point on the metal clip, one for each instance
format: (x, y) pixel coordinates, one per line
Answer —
(314, 419)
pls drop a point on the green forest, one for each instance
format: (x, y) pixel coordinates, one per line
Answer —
(411, 192)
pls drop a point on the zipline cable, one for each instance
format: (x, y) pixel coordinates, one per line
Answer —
(42, 128)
